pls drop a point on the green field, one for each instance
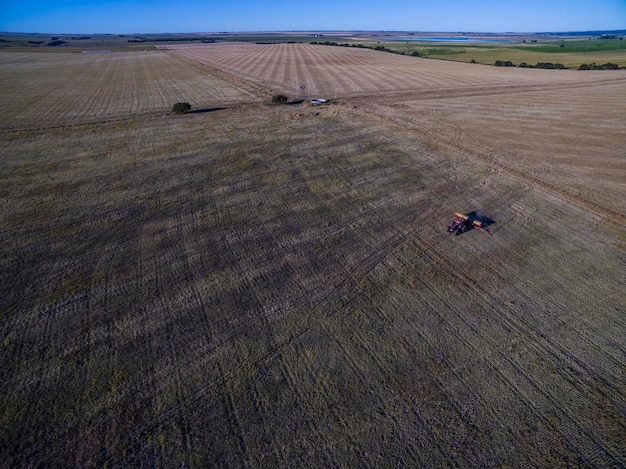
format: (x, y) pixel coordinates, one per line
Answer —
(571, 53)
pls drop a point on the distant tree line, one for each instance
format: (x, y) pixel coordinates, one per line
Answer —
(607, 66)
(551, 66)
(279, 42)
(363, 46)
(546, 65)
(206, 40)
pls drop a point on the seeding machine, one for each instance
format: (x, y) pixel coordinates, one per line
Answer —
(461, 223)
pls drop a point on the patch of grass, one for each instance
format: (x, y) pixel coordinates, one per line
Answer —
(572, 53)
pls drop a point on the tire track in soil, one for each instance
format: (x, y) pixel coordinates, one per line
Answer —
(179, 236)
(424, 250)
(92, 324)
(461, 378)
(443, 384)
(338, 300)
(571, 424)
(518, 223)
(432, 441)
(222, 389)
(135, 441)
(99, 106)
(488, 262)
(260, 360)
(582, 300)
(511, 230)
(305, 75)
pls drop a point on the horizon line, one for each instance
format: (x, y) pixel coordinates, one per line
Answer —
(591, 31)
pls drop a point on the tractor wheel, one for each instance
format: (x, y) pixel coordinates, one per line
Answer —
(464, 229)
(457, 232)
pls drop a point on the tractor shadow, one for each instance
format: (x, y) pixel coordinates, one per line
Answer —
(485, 220)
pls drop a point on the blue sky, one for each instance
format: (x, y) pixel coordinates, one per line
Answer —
(152, 16)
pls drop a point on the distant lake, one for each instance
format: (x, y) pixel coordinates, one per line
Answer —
(447, 39)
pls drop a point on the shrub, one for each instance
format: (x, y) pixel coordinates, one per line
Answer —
(181, 108)
(550, 66)
(280, 99)
(593, 66)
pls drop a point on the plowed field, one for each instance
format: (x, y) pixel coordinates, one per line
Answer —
(274, 286)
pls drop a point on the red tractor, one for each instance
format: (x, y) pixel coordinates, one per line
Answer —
(461, 223)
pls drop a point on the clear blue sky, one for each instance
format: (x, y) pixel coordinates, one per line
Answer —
(150, 16)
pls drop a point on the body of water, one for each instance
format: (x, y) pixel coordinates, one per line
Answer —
(447, 39)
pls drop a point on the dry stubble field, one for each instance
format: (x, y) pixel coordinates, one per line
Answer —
(274, 286)
(70, 88)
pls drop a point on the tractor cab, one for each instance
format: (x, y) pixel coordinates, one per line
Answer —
(460, 224)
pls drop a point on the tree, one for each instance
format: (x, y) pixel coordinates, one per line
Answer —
(181, 108)
(280, 99)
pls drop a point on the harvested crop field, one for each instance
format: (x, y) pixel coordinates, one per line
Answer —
(274, 286)
(340, 71)
(566, 137)
(559, 128)
(70, 88)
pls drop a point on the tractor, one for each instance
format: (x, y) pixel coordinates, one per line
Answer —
(461, 223)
